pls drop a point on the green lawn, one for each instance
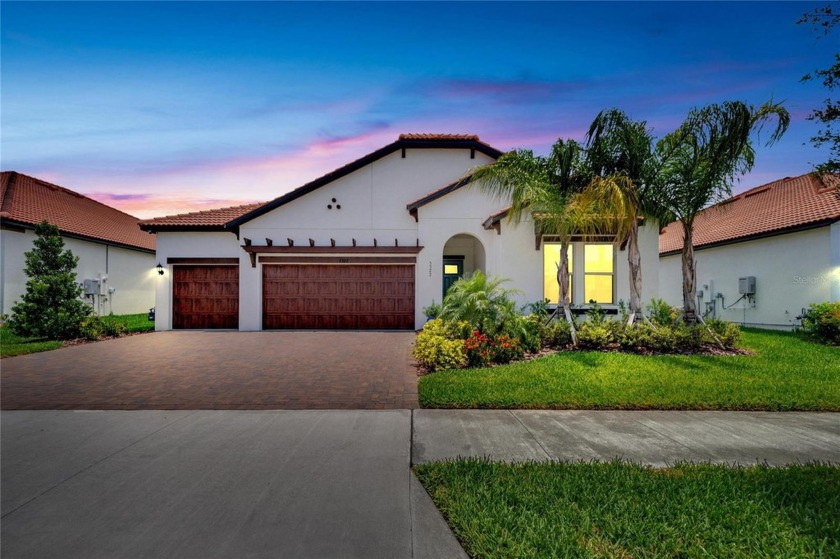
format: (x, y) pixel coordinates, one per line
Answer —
(133, 322)
(786, 372)
(11, 345)
(620, 510)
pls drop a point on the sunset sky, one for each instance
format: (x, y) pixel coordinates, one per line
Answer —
(160, 107)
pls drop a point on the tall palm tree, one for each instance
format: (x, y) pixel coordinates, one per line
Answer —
(620, 155)
(541, 187)
(700, 161)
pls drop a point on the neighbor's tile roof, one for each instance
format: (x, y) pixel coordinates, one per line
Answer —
(784, 204)
(205, 219)
(27, 200)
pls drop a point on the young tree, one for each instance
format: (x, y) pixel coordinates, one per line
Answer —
(619, 153)
(541, 187)
(824, 20)
(51, 307)
(700, 161)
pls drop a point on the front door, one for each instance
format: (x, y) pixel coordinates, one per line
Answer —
(453, 270)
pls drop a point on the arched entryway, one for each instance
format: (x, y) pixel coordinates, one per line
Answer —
(463, 254)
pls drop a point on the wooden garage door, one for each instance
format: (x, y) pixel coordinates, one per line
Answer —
(353, 297)
(205, 297)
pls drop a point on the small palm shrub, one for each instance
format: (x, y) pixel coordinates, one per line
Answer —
(432, 311)
(821, 322)
(483, 303)
(436, 350)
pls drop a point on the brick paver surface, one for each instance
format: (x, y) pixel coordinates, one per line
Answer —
(218, 370)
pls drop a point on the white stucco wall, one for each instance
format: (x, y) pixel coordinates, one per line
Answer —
(373, 205)
(792, 271)
(129, 272)
(190, 245)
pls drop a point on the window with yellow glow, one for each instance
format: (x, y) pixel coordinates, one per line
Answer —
(551, 258)
(598, 273)
(450, 269)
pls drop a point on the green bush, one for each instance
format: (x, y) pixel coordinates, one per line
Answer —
(594, 335)
(661, 313)
(536, 332)
(92, 328)
(432, 311)
(728, 333)
(821, 322)
(435, 350)
(687, 339)
(645, 338)
(558, 334)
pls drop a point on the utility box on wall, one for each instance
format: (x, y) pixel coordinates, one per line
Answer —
(746, 286)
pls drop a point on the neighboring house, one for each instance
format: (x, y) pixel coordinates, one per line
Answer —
(785, 235)
(114, 254)
(368, 246)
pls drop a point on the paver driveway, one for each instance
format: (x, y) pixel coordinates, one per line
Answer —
(218, 370)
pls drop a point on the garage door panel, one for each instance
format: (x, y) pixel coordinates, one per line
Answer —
(205, 297)
(338, 296)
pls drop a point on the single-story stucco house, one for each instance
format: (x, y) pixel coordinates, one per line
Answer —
(116, 259)
(368, 246)
(763, 255)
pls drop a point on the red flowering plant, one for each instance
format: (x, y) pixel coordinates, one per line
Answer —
(507, 349)
(479, 350)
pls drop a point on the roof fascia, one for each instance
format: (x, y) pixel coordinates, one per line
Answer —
(25, 225)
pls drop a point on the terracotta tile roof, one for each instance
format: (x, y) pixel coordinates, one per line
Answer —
(27, 200)
(439, 137)
(495, 218)
(784, 204)
(217, 218)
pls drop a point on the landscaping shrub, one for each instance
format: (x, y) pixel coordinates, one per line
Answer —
(434, 349)
(92, 328)
(432, 311)
(479, 350)
(687, 339)
(728, 333)
(483, 303)
(595, 335)
(821, 322)
(558, 334)
(536, 333)
(661, 313)
(645, 338)
(507, 349)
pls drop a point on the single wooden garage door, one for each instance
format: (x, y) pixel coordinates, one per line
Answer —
(205, 297)
(352, 297)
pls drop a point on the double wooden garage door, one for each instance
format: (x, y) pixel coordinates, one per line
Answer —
(299, 296)
(346, 296)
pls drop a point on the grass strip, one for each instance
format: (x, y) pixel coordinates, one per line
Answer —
(786, 372)
(616, 509)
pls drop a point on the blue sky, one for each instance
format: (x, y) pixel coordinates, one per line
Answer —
(164, 107)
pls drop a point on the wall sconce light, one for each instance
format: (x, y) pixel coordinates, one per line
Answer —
(160, 268)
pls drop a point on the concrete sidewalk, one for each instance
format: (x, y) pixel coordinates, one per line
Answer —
(319, 484)
(655, 438)
(215, 484)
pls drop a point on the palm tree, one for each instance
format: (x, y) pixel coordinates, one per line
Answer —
(620, 155)
(541, 187)
(700, 161)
